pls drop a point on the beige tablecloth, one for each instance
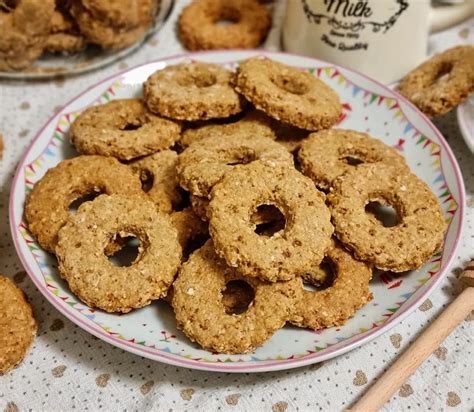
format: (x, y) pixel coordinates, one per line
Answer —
(68, 369)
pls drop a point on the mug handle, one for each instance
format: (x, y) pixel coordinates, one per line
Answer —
(442, 17)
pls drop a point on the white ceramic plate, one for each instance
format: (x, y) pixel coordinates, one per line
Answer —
(92, 58)
(151, 331)
(465, 114)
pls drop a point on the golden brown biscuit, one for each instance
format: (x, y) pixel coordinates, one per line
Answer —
(288, 94)
(254, 123)
(124, 129)
(97, 281)
(419, 232)
(205, 162)
(192, 91)
(201, 313)
(338, 302)
(328, 154)
(442, 82)
(199, 27)
(291, 251)
(47, 206)
(17, 325)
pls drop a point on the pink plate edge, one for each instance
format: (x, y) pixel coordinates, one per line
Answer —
(263, 366)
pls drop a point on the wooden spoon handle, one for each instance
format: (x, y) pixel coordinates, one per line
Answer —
(382, 390)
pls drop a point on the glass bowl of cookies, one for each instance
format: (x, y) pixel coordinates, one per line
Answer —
(47, 38)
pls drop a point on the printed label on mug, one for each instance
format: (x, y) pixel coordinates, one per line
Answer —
(346, 22)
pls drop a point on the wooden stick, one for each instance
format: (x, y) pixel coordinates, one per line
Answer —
(417, 353)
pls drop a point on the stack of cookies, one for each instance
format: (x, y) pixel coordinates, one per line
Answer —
(250, 209)
(29, 28)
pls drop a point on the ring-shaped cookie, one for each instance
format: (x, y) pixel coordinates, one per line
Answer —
(23, 32)
(124, 129)
(290, 252)
(442, 82)
(337, 303)
(47, 206)
(96, 280)
(17, 325)
(254, 123)
(204, 163)
(192, 91)
(328, 154)
(201, 313)
(158, 171)
(405, 246)
(288, 94)
(199, 28)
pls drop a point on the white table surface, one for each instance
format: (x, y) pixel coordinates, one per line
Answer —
(68, 369)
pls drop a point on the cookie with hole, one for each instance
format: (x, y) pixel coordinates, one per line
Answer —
(442, 82)
(288, 94)
(192, 91)
(266, 217)
(124, 129)
(284, 251)
(339, 296)
(419, 228)
(96, 280)
(17, 325)
(24, 28)
(199, 28)
(47, 206)
(327, 154)
(205, 162)
(206, 316)
(159, 179)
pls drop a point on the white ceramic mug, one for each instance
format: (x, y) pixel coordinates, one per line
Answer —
(381, 38)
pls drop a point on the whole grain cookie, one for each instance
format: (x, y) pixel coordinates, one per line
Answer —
(442, 82)
(124, 129)
(405, 246)
(47, 206)
(327, 154)
(199, 27)
(204, 163)
(97, 281)
(254, 123)
(290, 252)
(288, 94)
(263, 215)
(17, 325)
(201, 313)
(159, 179)
(24, 27)
(113, 24)
(192, 91)
(339, 301)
